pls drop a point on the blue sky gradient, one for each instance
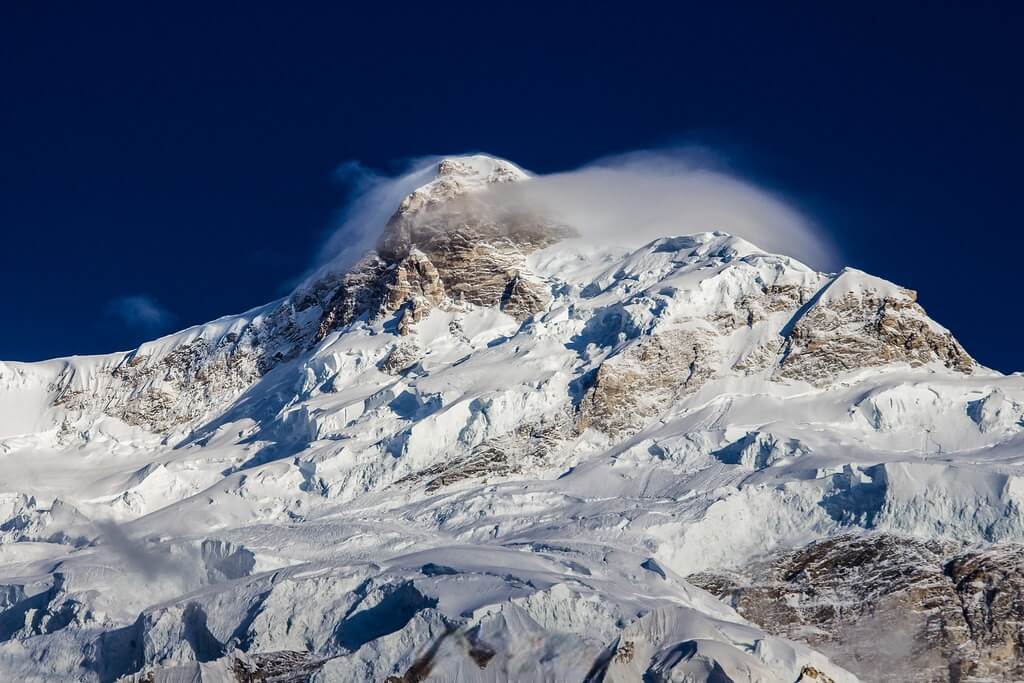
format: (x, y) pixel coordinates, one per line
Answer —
(185, 154)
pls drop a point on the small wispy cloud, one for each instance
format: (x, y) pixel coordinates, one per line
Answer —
(141, 311)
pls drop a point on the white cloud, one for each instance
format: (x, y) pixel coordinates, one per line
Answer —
(140, 310)
(639, 197)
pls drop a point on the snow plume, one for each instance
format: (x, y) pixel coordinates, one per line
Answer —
(629, 200)
(638, 197)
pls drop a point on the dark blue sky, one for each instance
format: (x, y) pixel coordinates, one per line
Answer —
(185, 153)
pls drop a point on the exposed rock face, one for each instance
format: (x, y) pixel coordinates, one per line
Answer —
(891, 608)
(449, 245)
(274, 667)
(360, 290)
(446, 246)
(522, 297)
(441, 248)
(479, 257)
(159, 388)
(852, 327)
(527, 445)
(643, 378)
(401, 358)
(414, 288)
(990, 588)
(755, 307)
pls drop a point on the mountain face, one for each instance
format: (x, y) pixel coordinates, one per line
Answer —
(490, 450)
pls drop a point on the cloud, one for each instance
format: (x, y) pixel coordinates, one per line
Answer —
(628, 200)
(141, 311)
(136, 555)
(374, 197)
(151, 561)
(635, 198)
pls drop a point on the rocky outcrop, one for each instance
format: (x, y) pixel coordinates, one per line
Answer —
(753, 308)
(163, 392)
(644, 378)
(274, 667)
(401, 359)
(860, 322)
(358, 291)
(891, 608)
(990, 587)
(478, 257)
(377, 288)
(448, 246)
(414, 287)
(526, 446)
(523, 297)
(185, 377)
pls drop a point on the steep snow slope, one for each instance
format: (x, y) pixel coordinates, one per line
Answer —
(487, 451)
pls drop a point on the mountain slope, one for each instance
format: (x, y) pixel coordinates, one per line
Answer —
(489, 450)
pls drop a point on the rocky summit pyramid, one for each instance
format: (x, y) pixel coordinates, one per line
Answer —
(489, 450)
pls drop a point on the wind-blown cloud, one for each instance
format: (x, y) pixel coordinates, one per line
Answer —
(375, 196)
(629, 200)
(141, 311)
(633, 199)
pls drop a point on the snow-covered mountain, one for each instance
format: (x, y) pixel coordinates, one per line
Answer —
(491, 450)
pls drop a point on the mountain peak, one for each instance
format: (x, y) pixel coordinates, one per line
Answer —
(473, 422)
(459, 175)
(483, 166)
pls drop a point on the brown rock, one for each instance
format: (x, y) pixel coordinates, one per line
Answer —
(862, 330)
(643, 379)
(891, 608)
